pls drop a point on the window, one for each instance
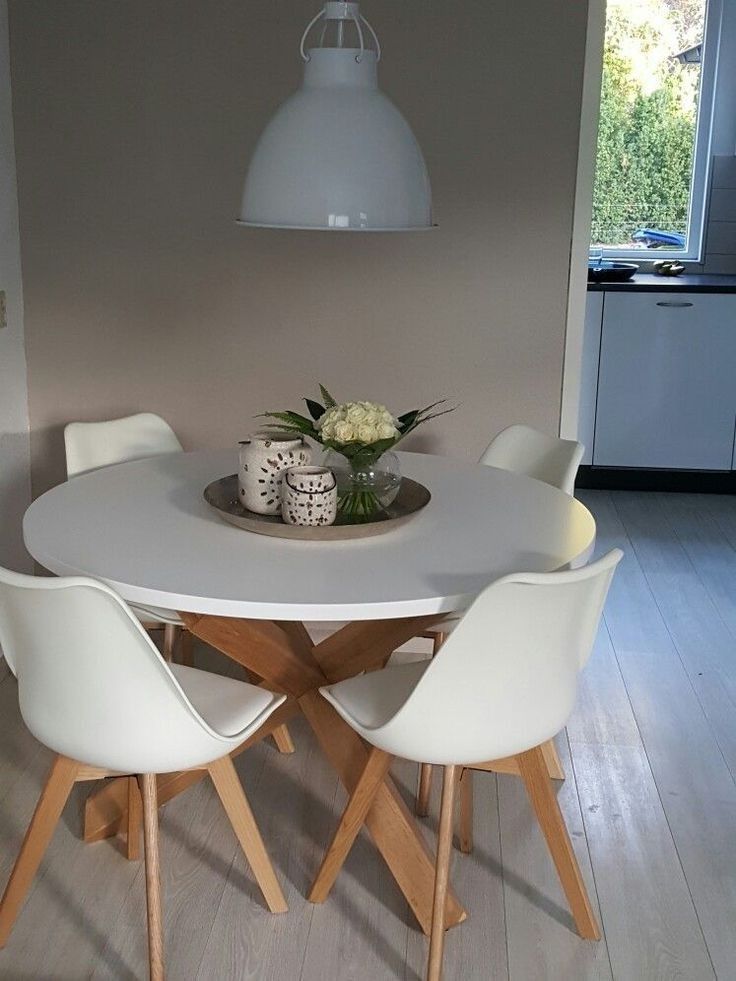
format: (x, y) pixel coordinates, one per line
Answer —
(654, 128)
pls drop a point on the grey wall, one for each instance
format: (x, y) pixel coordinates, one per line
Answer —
(134, 123)
(15, 483)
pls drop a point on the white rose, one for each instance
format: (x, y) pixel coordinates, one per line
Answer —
(328, 420)
(344, 432)
(351, 421)
(367, 433)
(356, 413)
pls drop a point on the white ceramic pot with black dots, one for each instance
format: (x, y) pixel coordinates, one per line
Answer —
(263, 459)
(309, 496)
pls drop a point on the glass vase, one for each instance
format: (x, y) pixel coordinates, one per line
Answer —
(365, 490)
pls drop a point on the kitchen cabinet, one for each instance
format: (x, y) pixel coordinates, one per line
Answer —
(666, 382)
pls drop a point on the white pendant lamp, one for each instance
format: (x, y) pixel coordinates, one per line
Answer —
(338, 155)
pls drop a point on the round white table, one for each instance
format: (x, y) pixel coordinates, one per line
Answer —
(144, 528)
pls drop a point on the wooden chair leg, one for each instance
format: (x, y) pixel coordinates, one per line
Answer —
(424, 789)
(134, 821)
(230, 791)
(350, 824)
(45, 818)
(552, 760)
(147, 783)
(283, 740)
(425, 770)
(533, 771)
(465, 826)
(170, 633)
(442, 873)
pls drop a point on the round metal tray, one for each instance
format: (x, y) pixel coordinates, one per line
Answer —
(222, 495)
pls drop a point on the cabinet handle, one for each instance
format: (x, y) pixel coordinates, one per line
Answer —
(674, 303)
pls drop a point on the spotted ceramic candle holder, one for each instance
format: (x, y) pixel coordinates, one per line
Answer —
(263, 459)
(309, 496)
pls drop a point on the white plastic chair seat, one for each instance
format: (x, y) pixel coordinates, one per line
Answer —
(232, 708)
(368, 701)
(93, 687)
(501, 685)
(156, 614)
(503, 682)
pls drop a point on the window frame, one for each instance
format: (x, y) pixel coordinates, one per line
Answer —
(702, 155)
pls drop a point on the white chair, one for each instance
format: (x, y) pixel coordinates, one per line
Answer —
(554, 461)
(94, 689)
(94, 445)
(502, 685)
(522, 449)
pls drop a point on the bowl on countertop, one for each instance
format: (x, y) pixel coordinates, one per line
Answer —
(609, 271)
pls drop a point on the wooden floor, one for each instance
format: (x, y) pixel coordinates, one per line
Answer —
(650, 799)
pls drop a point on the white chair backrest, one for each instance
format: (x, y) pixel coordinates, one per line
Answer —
(505, 679)
(525, 450)
(91, 684)
(92, 445)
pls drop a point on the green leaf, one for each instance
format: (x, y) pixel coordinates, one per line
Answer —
(326, 397)
(381, 445)
(349, 450)
(436, 415)
(283, 427)
(406, 422)
(316, 410)
(290, 421)
(288, 416)
(427, 408)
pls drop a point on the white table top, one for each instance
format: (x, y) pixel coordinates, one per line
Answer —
(144, 528)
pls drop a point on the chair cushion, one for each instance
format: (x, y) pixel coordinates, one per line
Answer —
(227, 705)
(370, 700)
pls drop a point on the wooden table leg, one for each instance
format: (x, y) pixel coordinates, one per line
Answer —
(351, 822)
(391, 824)
(356, 647)
(285, 657)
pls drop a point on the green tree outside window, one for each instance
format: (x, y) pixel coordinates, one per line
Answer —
(648, 116)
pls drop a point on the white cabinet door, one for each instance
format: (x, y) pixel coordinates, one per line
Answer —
(667, 381)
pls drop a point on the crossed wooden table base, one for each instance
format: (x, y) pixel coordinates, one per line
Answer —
(284, 656)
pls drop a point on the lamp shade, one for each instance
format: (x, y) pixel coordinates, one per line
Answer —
(338, 155)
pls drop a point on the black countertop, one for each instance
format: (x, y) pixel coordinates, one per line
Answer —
(649, 283)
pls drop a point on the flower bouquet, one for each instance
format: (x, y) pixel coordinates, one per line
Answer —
(360, 436)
